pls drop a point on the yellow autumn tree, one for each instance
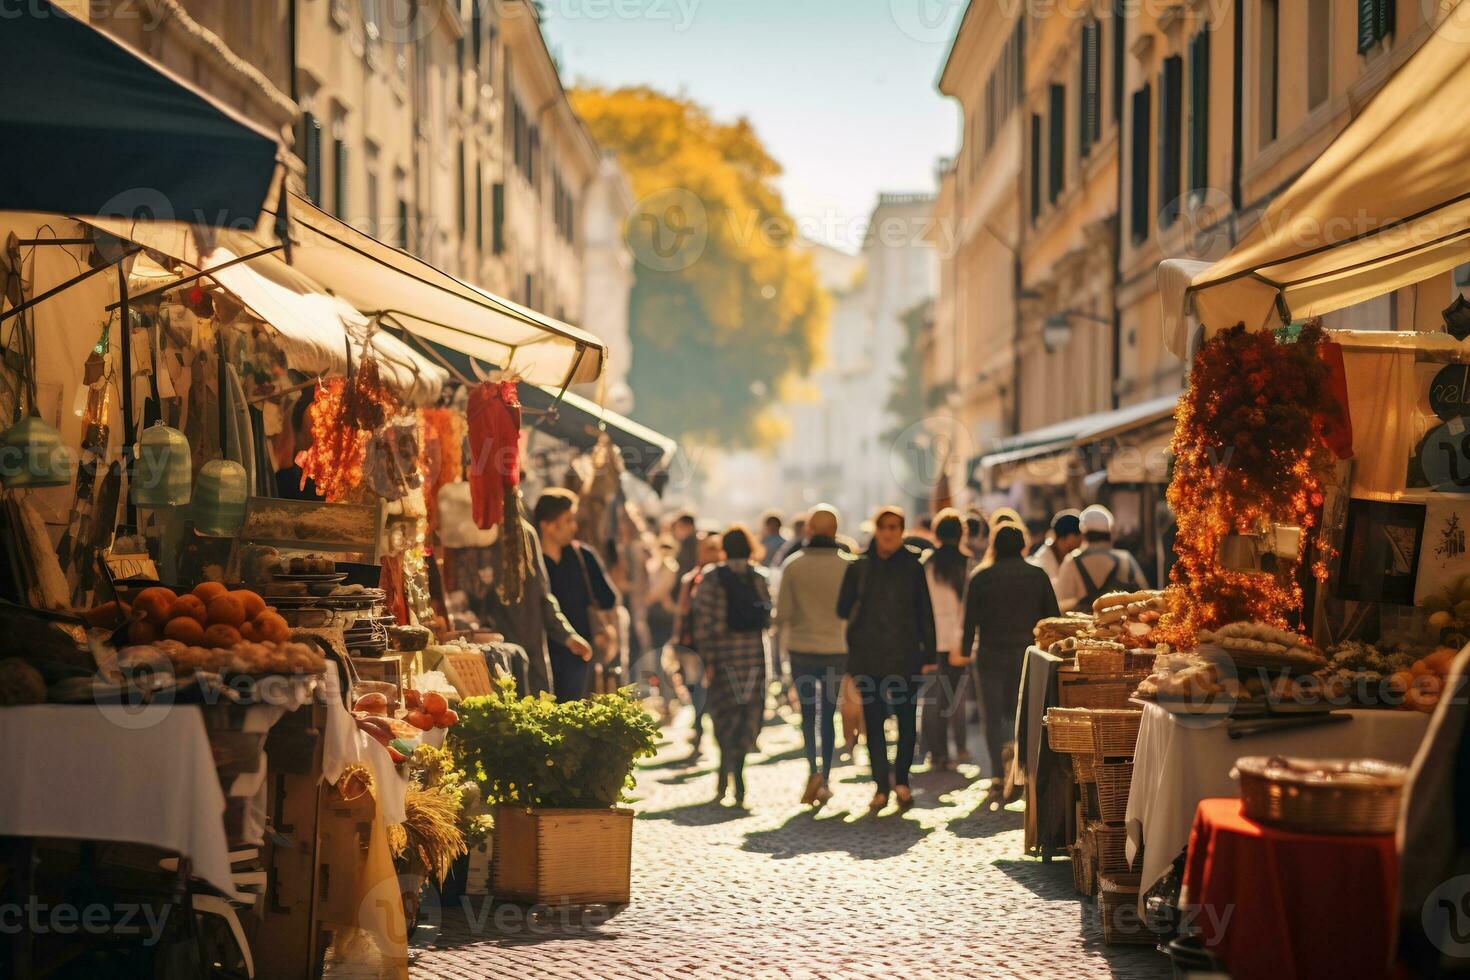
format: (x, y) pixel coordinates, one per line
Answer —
(724, 307)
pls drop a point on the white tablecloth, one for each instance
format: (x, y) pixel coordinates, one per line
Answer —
(347, 744)
(142, 775)
(1179, 762)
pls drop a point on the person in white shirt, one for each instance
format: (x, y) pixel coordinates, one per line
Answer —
(1065, 538)
(1098, 568)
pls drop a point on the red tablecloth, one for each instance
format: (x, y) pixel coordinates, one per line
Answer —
(1271, 903)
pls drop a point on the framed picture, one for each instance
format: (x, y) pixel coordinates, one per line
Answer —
(1380, 552)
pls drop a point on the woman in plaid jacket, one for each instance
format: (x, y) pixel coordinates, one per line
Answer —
(732, 607)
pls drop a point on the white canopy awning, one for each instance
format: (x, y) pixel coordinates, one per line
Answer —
(1386, 205)
(379, 279)
(315, 328)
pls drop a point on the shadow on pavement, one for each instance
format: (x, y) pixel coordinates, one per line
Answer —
(1049, 880)
(866, 838)
(983, 822)
(481, 920)
(703, 814)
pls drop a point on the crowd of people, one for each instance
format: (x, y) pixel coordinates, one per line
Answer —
(927, 625)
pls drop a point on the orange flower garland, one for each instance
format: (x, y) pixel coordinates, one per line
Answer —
(342, 418)
(1249, 452)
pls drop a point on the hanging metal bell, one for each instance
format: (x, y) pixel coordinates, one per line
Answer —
(219, 498)
(164, 471)
(32, 455)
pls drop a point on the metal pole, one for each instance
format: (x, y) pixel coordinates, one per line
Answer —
(126, 346)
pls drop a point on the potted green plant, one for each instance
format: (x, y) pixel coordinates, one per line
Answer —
(554, 774)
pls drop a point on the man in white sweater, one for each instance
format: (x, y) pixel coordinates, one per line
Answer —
(815, 638)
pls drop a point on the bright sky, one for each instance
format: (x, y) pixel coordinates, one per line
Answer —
(841, 91)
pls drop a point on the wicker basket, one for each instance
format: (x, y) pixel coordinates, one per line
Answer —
(1115, 732)
(562, 857)
(1112, 847)
(1141, 661)
(1117, 906)
(1321, 796)
(1069, 729)
(1079, 690)
(1100, 660)
(1113, 780)
(1083, 769)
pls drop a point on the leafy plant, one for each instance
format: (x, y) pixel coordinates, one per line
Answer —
(536, 752)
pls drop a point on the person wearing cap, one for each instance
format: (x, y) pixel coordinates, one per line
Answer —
(1065, 537)
(1004, 600)
(1098, 568)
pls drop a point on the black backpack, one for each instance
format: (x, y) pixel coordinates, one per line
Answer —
(1112, 583)
(745, 610)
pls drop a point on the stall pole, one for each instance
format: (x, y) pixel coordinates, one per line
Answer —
(126, 318)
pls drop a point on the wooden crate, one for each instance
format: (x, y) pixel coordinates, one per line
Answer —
(563, 857)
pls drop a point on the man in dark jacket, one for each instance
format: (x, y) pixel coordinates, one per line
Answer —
(1003, 603)
(890, 645)
(579, 583)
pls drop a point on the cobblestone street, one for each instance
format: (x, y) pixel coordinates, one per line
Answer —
(776, 891)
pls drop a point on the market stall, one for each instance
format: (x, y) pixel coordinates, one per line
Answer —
(1314, 622)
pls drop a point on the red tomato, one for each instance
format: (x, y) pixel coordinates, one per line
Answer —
(434, 703)
(446, 718)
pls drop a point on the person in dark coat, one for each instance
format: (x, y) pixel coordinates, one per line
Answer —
(1003, 602)
(890, 646)
(579, 582)
(732, 609)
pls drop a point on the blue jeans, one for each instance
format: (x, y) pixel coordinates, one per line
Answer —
(818, 680)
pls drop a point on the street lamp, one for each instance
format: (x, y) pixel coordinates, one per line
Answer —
(1056, 330)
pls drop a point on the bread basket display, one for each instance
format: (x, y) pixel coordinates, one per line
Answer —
(1321, 796)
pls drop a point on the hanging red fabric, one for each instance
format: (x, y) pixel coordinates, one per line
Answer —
(495, 450)
(1337, 431)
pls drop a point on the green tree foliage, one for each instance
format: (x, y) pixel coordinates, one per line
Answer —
(724, 307)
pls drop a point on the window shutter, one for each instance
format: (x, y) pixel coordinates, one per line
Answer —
(1035, 166)
(1119, 53)
(1056, 148)
(403, 224)
(497, 218)
(1139, 159)
(1368, 19)
(479, 205)
(461, 192)
(1385, 21)
(339, 179)
(1199, 111)
(1171, 90)
(311, 150)
(1089, 121)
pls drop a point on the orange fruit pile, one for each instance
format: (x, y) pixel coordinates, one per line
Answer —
(209, 616)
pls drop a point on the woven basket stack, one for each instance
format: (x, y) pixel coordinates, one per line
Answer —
(1100, 743)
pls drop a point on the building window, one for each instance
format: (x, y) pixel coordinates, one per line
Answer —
(497, 218)
(339, 163)
(370, 217)
(1171, 91)
(1199, 111)
(1319, 51)
(1056, 143)
(479, 206)
(1375, 22)
(1138, 164)
(477, 29)
(1035, 166)
(461, 192)
(1089, 114)
(1269, 69)
(400, 217)
(311, 155)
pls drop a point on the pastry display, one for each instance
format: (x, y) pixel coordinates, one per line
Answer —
(1055, 628)
(1249, 644)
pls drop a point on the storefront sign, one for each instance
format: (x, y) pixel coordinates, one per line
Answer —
(1449, 392)
(1444, 457)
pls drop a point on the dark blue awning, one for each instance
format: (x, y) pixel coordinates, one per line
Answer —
(94, 128)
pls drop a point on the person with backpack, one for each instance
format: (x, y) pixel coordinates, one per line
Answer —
(731, 613)
(1098, 568)
(1003, 602)
(890, 647)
